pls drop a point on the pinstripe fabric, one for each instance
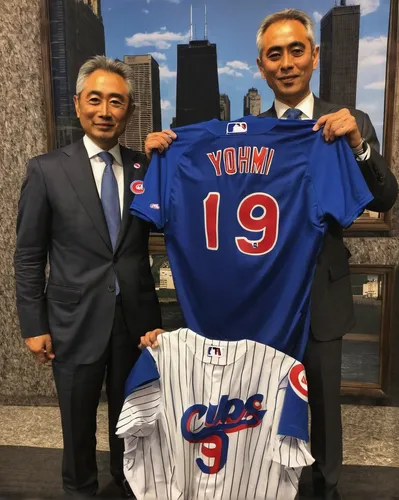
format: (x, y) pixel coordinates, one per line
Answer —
(160, 463)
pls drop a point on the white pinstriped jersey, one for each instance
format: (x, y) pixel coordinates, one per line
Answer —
(210, 419)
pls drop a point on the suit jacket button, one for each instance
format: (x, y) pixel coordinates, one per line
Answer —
(111, 288)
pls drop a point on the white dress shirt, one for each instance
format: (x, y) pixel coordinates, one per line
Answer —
(307, 108)
(98, 166)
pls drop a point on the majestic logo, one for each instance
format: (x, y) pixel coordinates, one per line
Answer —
(155, 206)
(136, 165)
(137, 187)
(298, 382)
(230, 415)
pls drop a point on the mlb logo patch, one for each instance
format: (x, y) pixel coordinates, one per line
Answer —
(214, 351)
(237, 128)
(137, 187)
(136, 165)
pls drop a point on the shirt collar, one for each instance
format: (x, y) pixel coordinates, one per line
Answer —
(93, 150)
(306, 106)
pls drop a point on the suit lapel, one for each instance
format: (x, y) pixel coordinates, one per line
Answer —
(130, 174)
(321, 108)
(317, 109)
(270, 113)
(76, 164)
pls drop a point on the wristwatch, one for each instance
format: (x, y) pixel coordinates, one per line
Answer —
(361, 149)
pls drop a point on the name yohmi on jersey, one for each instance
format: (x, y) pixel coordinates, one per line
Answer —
(214, 419)
(242, 160)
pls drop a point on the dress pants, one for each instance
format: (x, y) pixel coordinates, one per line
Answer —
(322, 363)
(79, 390)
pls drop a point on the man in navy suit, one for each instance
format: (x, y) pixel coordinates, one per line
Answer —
(287, 58)
(99, 298)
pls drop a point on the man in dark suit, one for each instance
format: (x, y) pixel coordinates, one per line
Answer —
(99, 297)
(287, 57)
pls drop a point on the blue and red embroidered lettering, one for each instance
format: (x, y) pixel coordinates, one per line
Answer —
(230, 415)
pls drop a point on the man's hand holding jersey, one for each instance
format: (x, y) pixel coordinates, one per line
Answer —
(150, 338)
(159, 141)
(338, 124)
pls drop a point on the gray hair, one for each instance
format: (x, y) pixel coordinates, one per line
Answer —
(285, 15)
(106, 64)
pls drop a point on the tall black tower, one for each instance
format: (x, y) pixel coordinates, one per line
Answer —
(77, 33)
(197, 84)
(339, 54)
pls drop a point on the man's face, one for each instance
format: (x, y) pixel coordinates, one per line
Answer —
(288, 61)
(103, 107)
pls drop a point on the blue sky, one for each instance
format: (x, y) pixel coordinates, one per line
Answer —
(157, 26)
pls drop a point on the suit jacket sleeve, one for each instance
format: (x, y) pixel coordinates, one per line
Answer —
(30, 259)
(379, 178)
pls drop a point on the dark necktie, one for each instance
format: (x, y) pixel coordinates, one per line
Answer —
(292, 114)
(110, 201)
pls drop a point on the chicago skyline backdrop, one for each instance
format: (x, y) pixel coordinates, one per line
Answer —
(156, 27)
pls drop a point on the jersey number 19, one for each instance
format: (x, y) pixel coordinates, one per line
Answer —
(266, 223)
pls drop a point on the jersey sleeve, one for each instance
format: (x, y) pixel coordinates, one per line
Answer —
(143, 372)
(140, 411)
(291, 448)
(152, 202)
(340, 187)
(142, 406)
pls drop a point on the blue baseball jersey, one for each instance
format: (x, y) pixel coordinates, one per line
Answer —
(244, 207)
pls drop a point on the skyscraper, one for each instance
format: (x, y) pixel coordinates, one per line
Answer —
(197, 86)
(339, 54)
(252, 102)
(147, 99)
(224, 107)
(77, 33)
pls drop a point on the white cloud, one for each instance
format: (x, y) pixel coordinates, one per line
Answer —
(231, 68)
(372, 51)
(375, 86)
(371, 78)
(226, 70)
(367, 107)
(317, 16)
(366, 6)
(148, 1)
(238, 65)
(165, 104)
(163, 28)
(160, 40)
(165, 73)
(158, 55)
(257, 74)
(174, 1)
(146, 11)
